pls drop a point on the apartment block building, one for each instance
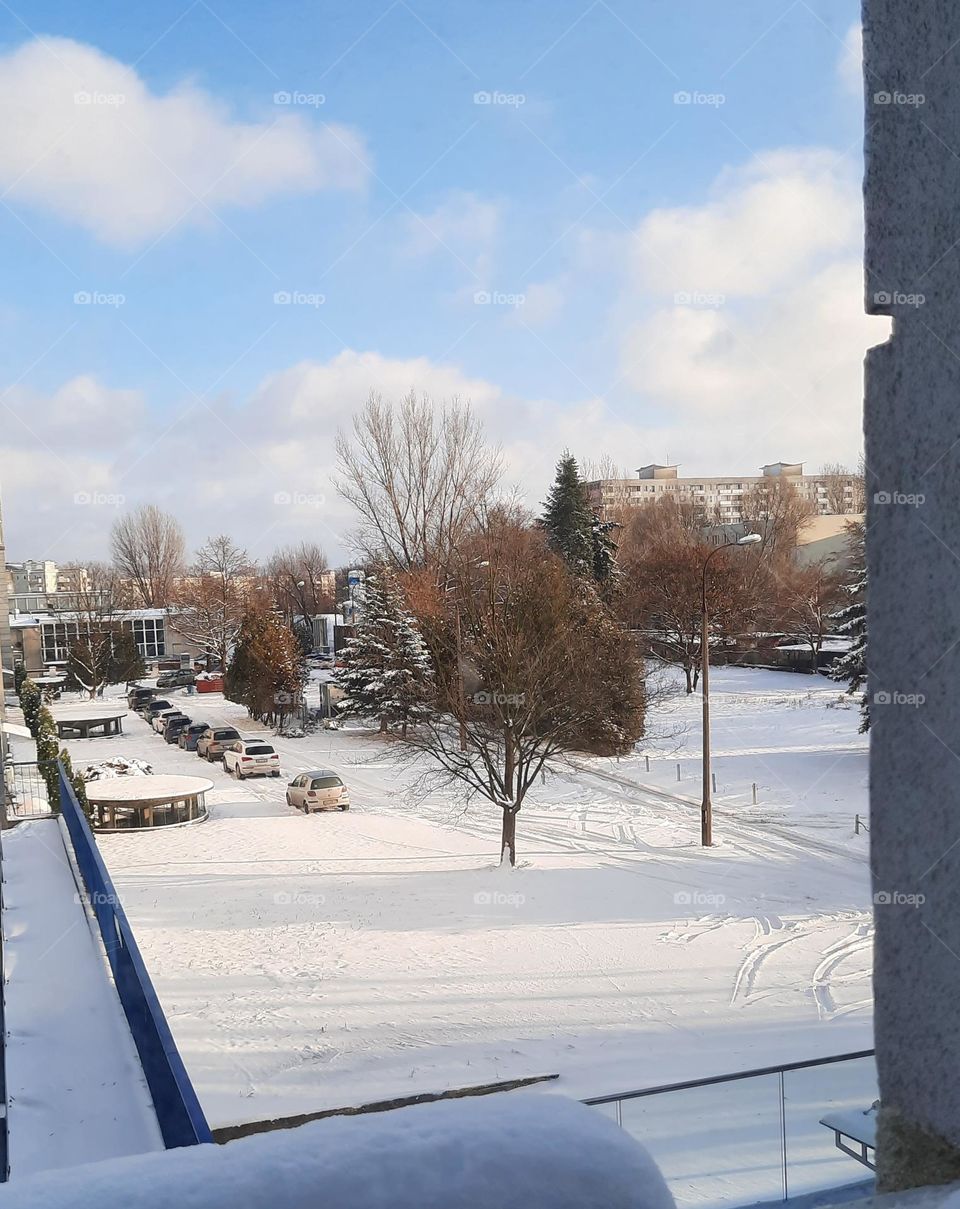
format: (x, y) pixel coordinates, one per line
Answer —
(720, 498)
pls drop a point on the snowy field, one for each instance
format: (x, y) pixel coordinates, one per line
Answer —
(316, 962)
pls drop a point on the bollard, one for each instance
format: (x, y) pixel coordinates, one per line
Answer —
(647, 758)
(754, 793)
(678, 772)
(713, 778)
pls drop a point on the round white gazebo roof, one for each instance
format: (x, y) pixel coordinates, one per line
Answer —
(154, 790)
(86, 711)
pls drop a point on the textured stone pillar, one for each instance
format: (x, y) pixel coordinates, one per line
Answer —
(6, 644)
(912, 196)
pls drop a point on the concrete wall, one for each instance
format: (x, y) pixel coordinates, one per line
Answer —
(912, 196)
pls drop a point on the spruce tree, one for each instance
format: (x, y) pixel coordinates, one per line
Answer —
(851, 621)
(568, 518)
(387, 673)
(604, 549)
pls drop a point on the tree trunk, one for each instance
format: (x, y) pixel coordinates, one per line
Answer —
(508, 837)
(687, 673)
(383, 725)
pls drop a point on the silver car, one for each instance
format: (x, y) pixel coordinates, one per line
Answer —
(321, 789)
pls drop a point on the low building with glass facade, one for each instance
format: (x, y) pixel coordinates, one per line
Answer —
(41, 640)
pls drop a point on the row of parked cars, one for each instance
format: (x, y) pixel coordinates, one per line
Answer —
(321, 789)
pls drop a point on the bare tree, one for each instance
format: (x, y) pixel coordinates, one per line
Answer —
(662, 566)
(212, 598)
(844, 488)
(100, 649)
(148, 550)
(809, 598)
(529, 664)
(417, 475)
(774, 509)
(299, 576)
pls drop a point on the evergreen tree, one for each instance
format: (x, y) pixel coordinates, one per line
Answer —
(574, 529)
(79, 786)
(604, 549)
(266, 671)
(19, 675)
(48, 750)
(851, 621)
(31, 702)
(387, 673)
(126, 661)
(568, 518)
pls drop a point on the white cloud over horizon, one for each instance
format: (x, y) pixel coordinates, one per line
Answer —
(85, 138)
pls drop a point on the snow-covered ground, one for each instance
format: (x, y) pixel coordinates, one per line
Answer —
(315, 962)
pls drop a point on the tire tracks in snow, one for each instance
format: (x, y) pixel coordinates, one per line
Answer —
(822, 986)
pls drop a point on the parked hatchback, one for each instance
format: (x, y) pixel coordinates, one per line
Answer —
(214, 740)
(251, 757)
(321, 789)
(188, 738)
(150, 708)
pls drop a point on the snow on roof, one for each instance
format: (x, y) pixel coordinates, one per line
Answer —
(512, 1151)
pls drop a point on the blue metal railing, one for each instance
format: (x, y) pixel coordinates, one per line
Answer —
(175, 1102)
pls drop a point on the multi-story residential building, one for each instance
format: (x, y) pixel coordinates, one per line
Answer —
(33, 575)
(720, 499)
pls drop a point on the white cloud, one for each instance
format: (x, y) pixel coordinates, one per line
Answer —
(850, 65)
(762, 224)
(261, 469)
(84, 137)
(463, 226)
(543, 301)
(743, 318)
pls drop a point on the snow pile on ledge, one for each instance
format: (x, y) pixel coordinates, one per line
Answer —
(116, 766)
(507, 1151)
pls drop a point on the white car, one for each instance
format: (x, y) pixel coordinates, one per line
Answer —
(251, 757)
(160, 720)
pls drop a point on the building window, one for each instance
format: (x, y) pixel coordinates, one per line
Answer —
(55, 639)
(149, 637)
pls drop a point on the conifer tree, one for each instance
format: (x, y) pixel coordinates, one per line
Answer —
(31, 703)
(574, 529)
(266, 671)
(568, 518)
(387, 673)
(604, 549)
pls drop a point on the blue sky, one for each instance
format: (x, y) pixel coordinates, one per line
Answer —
(594, 260)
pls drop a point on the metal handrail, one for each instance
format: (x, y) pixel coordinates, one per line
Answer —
(710, 1080)
(758, 1072)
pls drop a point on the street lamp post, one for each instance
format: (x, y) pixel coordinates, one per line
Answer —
(706, 805)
